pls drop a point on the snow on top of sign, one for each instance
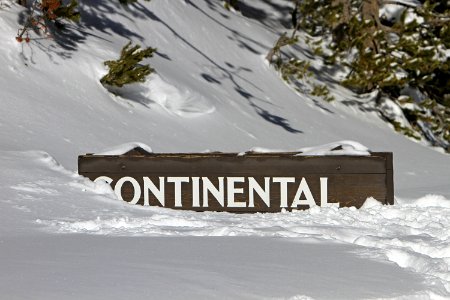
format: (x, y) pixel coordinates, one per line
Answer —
(337, 148)
(124, 148)
(262, 150)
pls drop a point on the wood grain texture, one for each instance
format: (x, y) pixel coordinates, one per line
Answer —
(351, 179)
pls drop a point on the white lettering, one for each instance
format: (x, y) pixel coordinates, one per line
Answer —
(232, 190)
(217, 193)
(137, 188)
(158, 193)
(253, 186)
(283, 181)
(195, 191)
(303, 195)
(323, 191)
(303, 188)
(177, 181)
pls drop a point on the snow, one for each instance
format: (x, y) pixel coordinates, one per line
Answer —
(65, 237)
(393, 112)
(393, 11)
(411, 16)
(161, 268)
(264, 150)
(155, 90)
(337, 148)
(87, 241)
(124, 148)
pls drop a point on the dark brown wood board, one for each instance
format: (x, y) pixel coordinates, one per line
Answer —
(254, 182)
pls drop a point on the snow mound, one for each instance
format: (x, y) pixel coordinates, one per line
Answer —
(370, 203)
(124, 148)
(175, 100)
(432, 201)
(337, 148)
(182, 102)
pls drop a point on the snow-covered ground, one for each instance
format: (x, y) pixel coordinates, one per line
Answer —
(62, 236)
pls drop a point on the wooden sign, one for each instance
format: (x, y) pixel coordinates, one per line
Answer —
(254, 182)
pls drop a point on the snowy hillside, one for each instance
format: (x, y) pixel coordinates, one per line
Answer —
(64, 237)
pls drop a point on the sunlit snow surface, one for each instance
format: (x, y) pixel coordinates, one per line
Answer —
(64, 237)
(413, 234)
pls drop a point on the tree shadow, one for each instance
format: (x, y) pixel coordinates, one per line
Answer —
(262, 16)
(133, 92)
(244, 41)
(325, 75)
(274, 119)
(96, 17)
(366, 104)
(210, 78)
(68, 36)
(228, 71)
(301, 88)
(250, 11)
(162, 55)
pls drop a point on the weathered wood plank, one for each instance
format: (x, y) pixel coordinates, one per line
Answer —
(283, 165)
(348, 180)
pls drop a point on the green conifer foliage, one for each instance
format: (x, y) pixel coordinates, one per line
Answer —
(45, 12)
(69, 11)
(128, 68)
(295, 69)
(388, 56)
(321, 90)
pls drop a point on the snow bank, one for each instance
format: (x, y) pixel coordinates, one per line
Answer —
(45, 199)
(431, 201)
(413, 235)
